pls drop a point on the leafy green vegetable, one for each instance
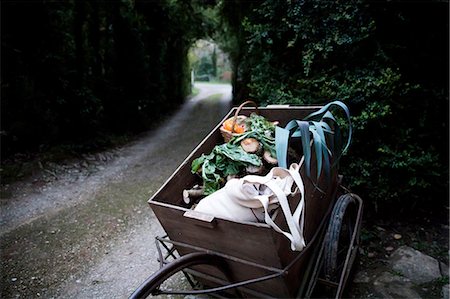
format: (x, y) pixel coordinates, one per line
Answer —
(262, 130)
(237, 154)
(315, 128)
(230, 159)
(224, 160)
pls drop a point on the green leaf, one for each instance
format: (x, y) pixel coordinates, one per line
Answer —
(236, 153)
(323, 113)
(281, 142)
(316, 125)
(197, 163)
(304, 131)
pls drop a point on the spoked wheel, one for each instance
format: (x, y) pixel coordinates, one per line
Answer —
(340, 242)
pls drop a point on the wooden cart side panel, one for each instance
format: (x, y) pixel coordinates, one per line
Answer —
(316, 208)
(317, 203)
(172, 190)
(182, 178)
(251, 242)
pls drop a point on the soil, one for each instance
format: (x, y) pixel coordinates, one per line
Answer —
(380, 239)
(82, 228)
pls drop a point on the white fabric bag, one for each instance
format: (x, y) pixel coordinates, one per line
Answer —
(253, 197)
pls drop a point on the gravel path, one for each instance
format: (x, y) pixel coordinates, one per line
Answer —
(83, 229)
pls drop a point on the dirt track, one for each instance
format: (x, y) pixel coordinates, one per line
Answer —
(83, 229)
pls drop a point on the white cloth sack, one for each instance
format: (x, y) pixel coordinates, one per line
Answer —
(252, 197)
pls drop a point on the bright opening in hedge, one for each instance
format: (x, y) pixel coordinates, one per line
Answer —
(208, 63)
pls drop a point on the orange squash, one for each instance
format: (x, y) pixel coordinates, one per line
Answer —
(239, 126)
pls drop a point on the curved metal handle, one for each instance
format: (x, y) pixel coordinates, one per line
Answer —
(151, 284)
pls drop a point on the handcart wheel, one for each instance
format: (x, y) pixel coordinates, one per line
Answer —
(338, 239)
(151, 285)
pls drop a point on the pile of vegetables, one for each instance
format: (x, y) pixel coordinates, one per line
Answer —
(247, 153)
(261, 143)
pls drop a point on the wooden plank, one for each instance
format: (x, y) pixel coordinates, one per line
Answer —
(243, 240)
(317, 203)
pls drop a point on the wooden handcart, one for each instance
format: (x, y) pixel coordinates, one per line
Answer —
(245, 259)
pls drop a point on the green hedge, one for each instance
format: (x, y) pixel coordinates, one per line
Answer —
(388, 61)
(75, 70)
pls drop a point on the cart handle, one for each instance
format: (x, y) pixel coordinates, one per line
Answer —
(151, 285)
(201, 219)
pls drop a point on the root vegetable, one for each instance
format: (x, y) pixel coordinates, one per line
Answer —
(250, 145)
(191, 194)
(269, 159)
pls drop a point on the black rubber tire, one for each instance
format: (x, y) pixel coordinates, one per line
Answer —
(338, 237)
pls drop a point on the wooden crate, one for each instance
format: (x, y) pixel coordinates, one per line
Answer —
(256, 243)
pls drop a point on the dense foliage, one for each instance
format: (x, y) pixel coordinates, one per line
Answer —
(387, 60)
(75, 70)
